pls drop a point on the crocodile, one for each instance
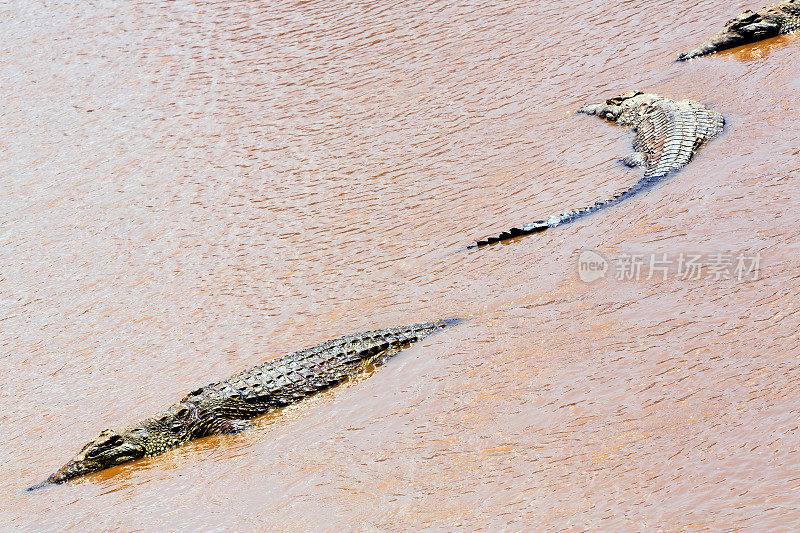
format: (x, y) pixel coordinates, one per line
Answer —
(226, 406)
(668, 133)
(751, 26)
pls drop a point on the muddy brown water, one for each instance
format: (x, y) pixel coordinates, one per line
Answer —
(191, 188)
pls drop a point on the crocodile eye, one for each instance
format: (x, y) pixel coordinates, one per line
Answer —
(94, 452)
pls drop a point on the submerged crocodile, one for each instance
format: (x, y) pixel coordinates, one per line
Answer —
(751, 26)
(668, 133)
(225, 407)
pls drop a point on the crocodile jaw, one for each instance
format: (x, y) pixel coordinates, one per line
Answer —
(720, 42)
(106, 450)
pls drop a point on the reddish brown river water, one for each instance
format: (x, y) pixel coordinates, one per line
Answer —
(190, 188)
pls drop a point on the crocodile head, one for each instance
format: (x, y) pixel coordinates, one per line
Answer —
(150, 437)
(108, 449)
(746, 28)
(619, 100)
(620, 106)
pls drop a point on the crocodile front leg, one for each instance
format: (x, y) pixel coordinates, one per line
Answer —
(636, 159)
(230, 427)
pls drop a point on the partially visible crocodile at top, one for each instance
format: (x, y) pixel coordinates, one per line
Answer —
(668, 133)
(225, 407)
(751, 26)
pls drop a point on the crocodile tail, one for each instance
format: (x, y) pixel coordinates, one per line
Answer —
(286, 380)
(443, 323)
(349, 354)
(382, 345)
(569, 216)
(404, 336)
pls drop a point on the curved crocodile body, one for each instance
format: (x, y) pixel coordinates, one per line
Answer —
(225, 407)
(751, 26)
(668, 133)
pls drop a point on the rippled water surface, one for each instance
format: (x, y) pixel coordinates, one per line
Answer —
(188, 189)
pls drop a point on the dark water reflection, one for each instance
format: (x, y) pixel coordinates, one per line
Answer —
(190, 189)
